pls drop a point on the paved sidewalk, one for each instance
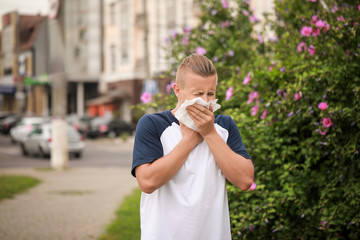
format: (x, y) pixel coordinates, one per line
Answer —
(74, 204)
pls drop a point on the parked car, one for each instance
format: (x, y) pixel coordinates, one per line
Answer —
(102, 126)
(82, 124)
(5, 115)
(8, 122)
(39, 141)
(24, 127)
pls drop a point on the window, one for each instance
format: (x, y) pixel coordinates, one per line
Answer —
(171, 14)
(124, 31)
(112, 13)
(113, 57)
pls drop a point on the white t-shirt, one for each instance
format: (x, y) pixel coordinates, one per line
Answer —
(193, 204)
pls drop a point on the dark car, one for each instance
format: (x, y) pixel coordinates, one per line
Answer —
(84, 124)
(102, 126)
(7, 123)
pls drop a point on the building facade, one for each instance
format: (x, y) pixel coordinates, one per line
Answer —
(134, 33)
(24, 84)
(82, 31)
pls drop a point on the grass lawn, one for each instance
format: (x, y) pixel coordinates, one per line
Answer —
(126, 226)
(10, 185)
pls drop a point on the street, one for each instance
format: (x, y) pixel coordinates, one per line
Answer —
(98, 153)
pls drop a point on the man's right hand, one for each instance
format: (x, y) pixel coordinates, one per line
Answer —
(190, 136)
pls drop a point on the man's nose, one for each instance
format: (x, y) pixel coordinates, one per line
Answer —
(206, 98)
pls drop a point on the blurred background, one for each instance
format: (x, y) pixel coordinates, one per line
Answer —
(113, 51)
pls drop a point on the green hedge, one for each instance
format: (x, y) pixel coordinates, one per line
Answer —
(295, 96)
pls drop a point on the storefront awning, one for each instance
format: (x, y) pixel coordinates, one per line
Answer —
(7, 89)
(100, 100)
(42, 79)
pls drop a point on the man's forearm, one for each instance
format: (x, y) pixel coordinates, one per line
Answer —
(237, 169)
(151, 176)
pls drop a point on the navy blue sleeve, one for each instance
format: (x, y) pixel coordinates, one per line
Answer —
(147, 145)
(234, 140)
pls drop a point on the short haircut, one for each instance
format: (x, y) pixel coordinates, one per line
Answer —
(198, 64)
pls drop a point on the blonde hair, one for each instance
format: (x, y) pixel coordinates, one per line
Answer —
(198, 64)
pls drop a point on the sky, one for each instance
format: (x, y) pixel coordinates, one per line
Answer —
(31, 7)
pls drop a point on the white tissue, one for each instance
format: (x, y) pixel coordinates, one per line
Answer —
(182, 115)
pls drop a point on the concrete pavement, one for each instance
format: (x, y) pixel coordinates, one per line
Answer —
(73, 204)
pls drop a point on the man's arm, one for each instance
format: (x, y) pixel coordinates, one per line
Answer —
(151, 176)
(237, 169)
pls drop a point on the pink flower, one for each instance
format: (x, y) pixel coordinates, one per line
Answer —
(253, 18)
(283, 69)
(311, 50)
(320, 23)
(169, 86)
(225, 24)
(359, 7)
(327, 122)
(213, 12)
(297, 97)
(187, 30)
(174, 34)
(312, 0)
(264, 114)
(215, 59)
(290, 114)
(145, 97)
(322, 133)
(341, 19)
(327, 27)
(246, 13)
(254, 110)
(225, 4)
(253, 186)
(316, 32)
(323, 106)
(247, 79)
(252, 96)
(200, 51)
(279, 92)
(314, 19)
(300, 46)
(306, 31)
(230, 53)
(260, 39)
(229, 93)
(185, 41)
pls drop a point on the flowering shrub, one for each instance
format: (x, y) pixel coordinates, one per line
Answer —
(296, 99)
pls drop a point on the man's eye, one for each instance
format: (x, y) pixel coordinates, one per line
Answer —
(211, 94)
(198, 94)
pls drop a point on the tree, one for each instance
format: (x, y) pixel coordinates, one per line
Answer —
(296, 100)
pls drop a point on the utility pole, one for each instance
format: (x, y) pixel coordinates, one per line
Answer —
(146, 43)
(59, 153)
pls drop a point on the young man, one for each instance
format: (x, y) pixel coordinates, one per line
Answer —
(183, 173)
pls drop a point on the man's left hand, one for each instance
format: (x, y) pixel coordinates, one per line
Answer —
(202, 117)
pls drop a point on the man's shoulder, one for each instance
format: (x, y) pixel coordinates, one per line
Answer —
(155, 117)
(222, 118)
(158, 121)
(224, 121)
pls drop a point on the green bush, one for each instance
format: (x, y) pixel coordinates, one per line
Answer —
(306, 155)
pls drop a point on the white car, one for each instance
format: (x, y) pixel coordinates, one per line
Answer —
(24, 127)
(39, 142)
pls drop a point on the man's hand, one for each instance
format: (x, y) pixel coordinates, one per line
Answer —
(202, 117)
(190, 136)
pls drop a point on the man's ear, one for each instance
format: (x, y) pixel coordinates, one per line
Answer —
(176, 89)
